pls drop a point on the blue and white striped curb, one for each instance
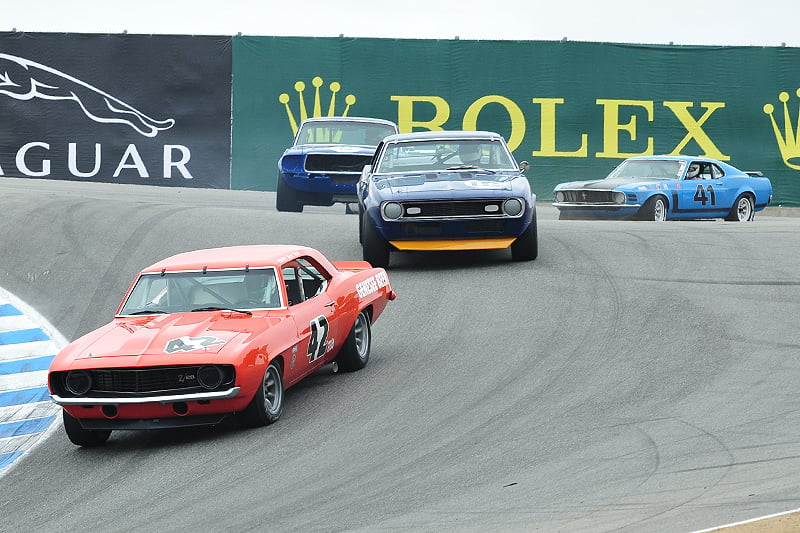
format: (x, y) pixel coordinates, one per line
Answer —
(28, 344)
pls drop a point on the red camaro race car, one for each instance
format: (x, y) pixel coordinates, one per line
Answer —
(205, 334)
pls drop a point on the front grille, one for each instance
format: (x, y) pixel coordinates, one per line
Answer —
(142, 382)
(588, 197)
(336, 163)
(453, 209)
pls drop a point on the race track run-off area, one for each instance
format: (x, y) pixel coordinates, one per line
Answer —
(635, 377)
(27, 346)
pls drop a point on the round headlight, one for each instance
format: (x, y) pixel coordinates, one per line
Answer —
(619, 197)
(392, 210)
(209, 377)
(559, 196)
(512, 207)
(78, 382)
(291, 163)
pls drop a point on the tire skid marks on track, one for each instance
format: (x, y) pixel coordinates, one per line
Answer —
(28, 344)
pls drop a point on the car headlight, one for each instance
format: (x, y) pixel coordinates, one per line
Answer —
(209, 376)
(292, 163)
(392, 210)
(559, 196)
(78, 382)
(512, 207)
(618, 197)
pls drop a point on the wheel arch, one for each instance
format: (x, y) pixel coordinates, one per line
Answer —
(641, 214)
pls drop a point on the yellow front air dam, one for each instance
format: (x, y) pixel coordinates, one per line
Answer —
(454, 244)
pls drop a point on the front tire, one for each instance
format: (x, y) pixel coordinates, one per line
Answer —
(354, 354)
(375, 250)
(286, 198)
(654, 209)
(84, 437)
(526, 247)
(267, 405)
(742, 210)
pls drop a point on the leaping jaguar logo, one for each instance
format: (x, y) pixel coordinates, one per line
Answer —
(23, 79)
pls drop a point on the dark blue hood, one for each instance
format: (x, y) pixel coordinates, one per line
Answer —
(451, 184)
(342, 149)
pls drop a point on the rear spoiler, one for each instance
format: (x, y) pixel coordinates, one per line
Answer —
(352, 266)
(754, 173)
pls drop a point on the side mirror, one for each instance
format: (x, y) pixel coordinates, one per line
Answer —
(524, 166)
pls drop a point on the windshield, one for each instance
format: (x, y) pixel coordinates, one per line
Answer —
(182, 292)
(436, 155)
(341, 132)
(649, 168)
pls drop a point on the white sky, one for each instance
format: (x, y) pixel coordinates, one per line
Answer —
(685, 22)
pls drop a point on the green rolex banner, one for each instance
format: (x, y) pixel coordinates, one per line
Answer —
(573, 110)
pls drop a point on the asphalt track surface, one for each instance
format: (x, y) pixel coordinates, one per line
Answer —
(636, 377)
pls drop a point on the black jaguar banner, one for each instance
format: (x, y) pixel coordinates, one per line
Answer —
(142, 109)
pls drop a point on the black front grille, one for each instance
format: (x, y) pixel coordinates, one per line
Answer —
(336, 162)
(450, 209)
(142, 382)
(588, 197)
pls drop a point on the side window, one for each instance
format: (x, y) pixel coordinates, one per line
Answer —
(292, 282)
(313, 277)
(716, 172)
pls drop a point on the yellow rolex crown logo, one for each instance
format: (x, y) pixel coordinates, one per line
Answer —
(789, 140)
(317, 82)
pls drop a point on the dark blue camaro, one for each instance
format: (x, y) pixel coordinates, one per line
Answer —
(325, 160)
(445, 190)
(667, 187)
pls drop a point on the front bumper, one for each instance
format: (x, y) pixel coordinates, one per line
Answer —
(172, 398)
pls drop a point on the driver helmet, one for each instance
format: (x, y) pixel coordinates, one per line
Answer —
(470, 153)
(694, 170)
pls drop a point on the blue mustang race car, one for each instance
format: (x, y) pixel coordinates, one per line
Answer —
(667, 188)
(325, 160)
(445, 190)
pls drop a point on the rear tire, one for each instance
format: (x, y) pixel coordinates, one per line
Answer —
(84, 437)
(286, 198)
(654, 209)
(526, 247)
(354, 354)
(375, 250)
(267, 404)
(742, 210)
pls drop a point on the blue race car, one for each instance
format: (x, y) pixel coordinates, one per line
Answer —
(667, 187)
(325, 160)
(445, 190)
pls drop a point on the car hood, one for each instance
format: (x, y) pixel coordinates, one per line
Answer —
(608, 184)
(160, 335)
(455, 184)
(335, 149)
